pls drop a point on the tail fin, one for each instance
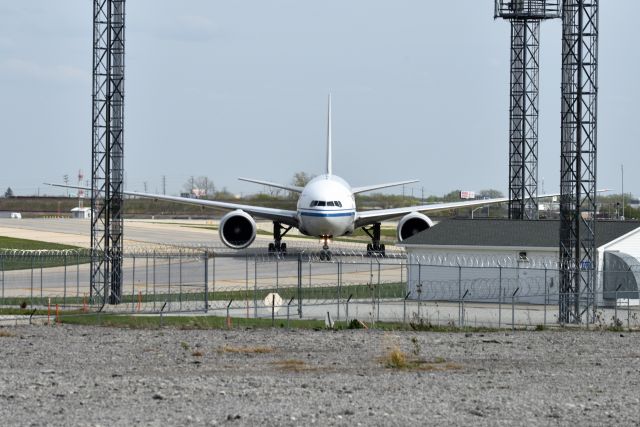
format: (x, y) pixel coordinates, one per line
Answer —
(329, 137)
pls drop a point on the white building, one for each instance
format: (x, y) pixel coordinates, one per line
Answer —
(487, 259)
(12, 215)
(81, 213)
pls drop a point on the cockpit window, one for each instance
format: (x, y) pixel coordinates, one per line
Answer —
(339, 204)
(322, 203)
(314, 203)
(330, 204)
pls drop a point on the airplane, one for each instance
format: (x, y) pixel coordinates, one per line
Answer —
(326, 208)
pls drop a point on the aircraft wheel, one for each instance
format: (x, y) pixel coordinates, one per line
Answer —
(272, 248)
(283, 248)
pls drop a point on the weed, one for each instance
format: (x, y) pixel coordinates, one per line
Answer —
(293, 365)
(246, 350)
(23, 305)
(540, 328)
(6, 334)
(616, 325)
(416, 346)
(356, 324)
(184, 345)
(397, 359)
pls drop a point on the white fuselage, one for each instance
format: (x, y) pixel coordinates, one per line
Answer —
(326, 207)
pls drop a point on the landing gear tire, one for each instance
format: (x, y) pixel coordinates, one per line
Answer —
(272, 248)
(325, 255)
(283, 248)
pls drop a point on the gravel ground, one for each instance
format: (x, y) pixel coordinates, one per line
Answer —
(70, 375)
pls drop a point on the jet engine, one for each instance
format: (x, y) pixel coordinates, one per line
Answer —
(237, 229)
(411, 224)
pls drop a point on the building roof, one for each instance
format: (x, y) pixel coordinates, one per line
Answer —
(505, 233)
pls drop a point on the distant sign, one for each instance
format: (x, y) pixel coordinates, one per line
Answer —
(467, 195)
(199, 192)
(586, 265)
(273, 300)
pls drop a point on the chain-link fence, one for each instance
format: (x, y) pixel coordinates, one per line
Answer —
(453, 290)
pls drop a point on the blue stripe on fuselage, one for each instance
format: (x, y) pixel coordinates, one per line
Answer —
(327, 214)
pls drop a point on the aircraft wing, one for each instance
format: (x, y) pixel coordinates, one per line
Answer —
(369, 217)
(357, 190)
(293, 188)
(281, 215)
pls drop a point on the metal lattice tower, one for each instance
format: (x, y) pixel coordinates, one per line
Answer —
(525, 17)
(107, 151)
(578, 160)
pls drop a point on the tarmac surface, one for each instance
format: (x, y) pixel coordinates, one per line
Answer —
(89, 376)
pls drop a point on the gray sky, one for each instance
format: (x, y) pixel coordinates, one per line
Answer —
(238, 88)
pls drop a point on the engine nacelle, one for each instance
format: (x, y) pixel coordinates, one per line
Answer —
(411, 224)
(237, 229)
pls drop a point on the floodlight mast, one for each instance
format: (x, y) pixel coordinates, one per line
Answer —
(578, 255)
(525, 17)
(107, 152)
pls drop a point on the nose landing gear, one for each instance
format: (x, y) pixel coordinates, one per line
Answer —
(325, 254)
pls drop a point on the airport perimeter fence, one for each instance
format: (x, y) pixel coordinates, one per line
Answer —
(451, 290)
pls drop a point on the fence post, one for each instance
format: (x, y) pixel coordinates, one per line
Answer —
(42, 281)
(339, 287)
(300, 284)
(277, 273)
(133, 286)
(154, 280)
(2, 272)
(347, 308)
(246, 282)
(499, 296)
(615, 305)
(404, 308)
(206, 281)
(180, 277)
(379, 290)
(513, 309)
(213, 273)
(31, 302)
(255, 286)
(288, 311)
(459, 294)
(169, 284)
(462, 301)
(146, 274)
(64, 290)
(77, 275)
(546, 296)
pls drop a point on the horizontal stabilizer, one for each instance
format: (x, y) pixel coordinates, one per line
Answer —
(357, 190)
(293, 188)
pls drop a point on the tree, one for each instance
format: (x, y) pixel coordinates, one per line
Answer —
(201, 186)
(490, 194)
(8, 193)
(300, 179)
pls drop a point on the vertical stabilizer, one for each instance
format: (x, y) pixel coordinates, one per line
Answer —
(329, 137)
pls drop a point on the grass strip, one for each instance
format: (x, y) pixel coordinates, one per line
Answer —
(384, 291)
(10, 262)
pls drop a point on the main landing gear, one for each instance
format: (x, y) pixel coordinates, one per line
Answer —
(277, 246)
(375, 248)
(325, 254)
